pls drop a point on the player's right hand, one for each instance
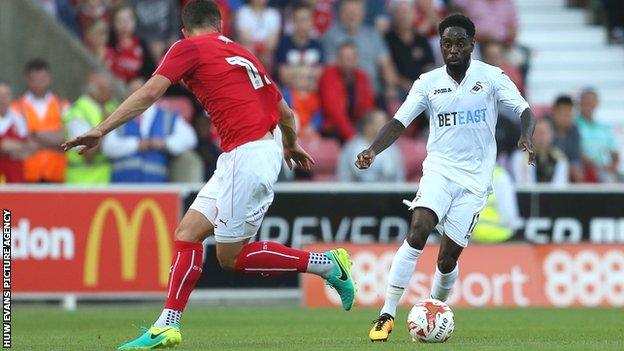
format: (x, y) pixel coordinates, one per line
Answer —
(298, 156)
(365, 159)
(90, 140)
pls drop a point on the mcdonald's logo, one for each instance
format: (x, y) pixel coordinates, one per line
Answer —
(129, 231)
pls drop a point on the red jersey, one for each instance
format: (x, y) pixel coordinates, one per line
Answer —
(231, 84)
(12, 127)
(128, 58)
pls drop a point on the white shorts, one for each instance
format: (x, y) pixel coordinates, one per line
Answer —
(457, 208)
(240, 191)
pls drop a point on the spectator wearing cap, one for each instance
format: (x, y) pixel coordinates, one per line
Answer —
(598, 149)
(43, 112)
(373, 54)
(346, 94)
(388, 166)
(566, 135)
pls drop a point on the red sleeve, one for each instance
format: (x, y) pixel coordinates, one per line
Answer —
(368, 96)
(334, 109)
(179, 61)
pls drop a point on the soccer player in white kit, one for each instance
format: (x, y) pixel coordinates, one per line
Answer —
(461, 99)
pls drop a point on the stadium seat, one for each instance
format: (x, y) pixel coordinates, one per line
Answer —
(178, 104)
(325, 153)
(414, 152)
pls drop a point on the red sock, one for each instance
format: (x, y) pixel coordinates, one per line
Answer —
(186, 270)
(270, 258)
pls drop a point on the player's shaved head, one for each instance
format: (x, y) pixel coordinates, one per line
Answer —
(201, 14)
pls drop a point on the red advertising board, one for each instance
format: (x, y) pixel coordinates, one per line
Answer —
(91, 242)
(497, 275)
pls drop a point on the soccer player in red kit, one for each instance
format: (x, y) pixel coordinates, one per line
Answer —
(245, 107)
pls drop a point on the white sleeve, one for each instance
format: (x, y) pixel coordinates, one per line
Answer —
(182, 137)
(414, 104)
(506, 201)
(560, 175)
(116, 146)
(507, 94)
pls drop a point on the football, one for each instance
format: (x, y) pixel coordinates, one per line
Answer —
(430, 320)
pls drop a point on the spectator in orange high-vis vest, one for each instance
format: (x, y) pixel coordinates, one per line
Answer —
(43, 110)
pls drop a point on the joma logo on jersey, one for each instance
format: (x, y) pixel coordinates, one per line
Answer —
(477, 88)
(442, 91)
(461, 117)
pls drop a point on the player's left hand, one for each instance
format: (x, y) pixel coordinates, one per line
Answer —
(90, 140)
(527, 145)
(296, 155)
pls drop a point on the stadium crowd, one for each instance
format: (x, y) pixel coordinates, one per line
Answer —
(344, 66)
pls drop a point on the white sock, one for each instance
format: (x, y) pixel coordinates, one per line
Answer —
(168, 317)
(401, 271)
(320, 264)
(443, 283)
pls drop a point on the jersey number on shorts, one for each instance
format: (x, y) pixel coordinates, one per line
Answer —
(252, 71)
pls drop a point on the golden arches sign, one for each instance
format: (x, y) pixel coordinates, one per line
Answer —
(129, 231)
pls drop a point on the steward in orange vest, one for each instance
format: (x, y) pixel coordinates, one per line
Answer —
(43, 112)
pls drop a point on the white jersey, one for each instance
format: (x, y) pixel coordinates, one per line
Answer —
(462, 117)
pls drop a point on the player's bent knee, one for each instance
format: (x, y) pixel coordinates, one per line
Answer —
(418, 234)
(184, 233)
(446, 264)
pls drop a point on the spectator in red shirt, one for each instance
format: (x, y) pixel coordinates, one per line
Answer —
(132, 58)
(14, 143)
(346, 94)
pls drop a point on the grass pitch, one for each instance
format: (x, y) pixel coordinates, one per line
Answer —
(294, 328)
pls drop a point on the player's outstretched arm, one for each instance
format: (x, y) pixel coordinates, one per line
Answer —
(133, 106)
(527, 126)
(386, 137)
(293, 152)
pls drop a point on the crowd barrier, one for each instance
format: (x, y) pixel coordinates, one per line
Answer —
(116, 241)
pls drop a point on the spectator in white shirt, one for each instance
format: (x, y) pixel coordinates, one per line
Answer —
(141, 148)
(258, 28)
(388, 166)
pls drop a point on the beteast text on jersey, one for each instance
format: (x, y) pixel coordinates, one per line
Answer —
(461, 117)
